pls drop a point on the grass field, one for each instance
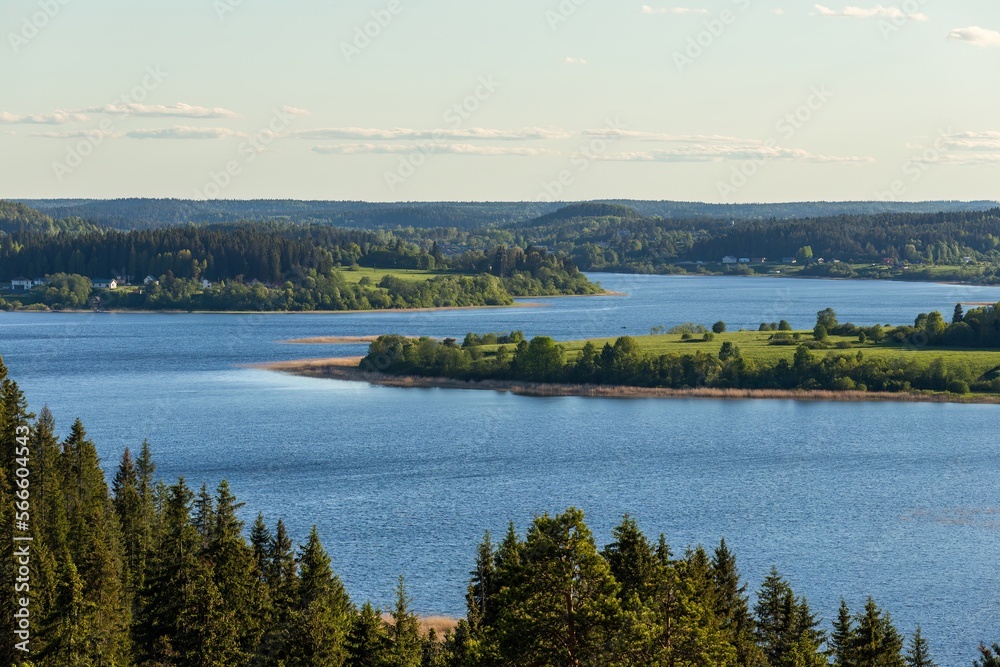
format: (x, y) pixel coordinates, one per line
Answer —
(755, 345)
(354, 275)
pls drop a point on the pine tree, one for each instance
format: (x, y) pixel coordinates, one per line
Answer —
(989, 656)
(480, 597)
(323, 611)
(433, 651)
(260, 541)
(95, 548)
(843, 638)
(281, 579)
(404, 631)
(563, 608)
(733, 607)
(368, 641)
(877, 642)
(236, 577)
(918, 653)
(133, 519)
(959, 314)
(204, 514)
(631, 559)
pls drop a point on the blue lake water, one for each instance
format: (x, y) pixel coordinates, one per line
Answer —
(900, 501)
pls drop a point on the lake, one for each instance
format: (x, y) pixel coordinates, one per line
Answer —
(900, 500)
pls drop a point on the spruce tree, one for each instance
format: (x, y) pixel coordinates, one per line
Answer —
(323, 611)
(877, 643)
(989, 656)
(631, 559)
(134, 522)
(918, 653)
(843, 638)
(236, 577)
(404, 631)
(563, 607)
(368, 640)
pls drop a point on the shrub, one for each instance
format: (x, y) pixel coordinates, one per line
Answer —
(958, 387)
(719, 327)
(709, 336)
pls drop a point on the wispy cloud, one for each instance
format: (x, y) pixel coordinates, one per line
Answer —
(184, 132)
(455, 149)
(295, 111)
(976, 35)
(876, 12)
(708, 148)
(54, 118)
(179, 110)
(569, 60)
(399, 133)
(962, 148)
(646, 9)
(70, 134)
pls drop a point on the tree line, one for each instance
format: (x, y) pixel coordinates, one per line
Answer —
(624, 362)
(148, 574)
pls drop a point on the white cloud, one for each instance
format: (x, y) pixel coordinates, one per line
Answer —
(876, 12)
(184, 132)
(646, 9)
(569, 60)
(70, 134)
(960, 148)
(399, 133)
(455, 149)
(54, 118)
(179, 110)
(778, 11)
(295, 111)
(708, 148)
(976, 35)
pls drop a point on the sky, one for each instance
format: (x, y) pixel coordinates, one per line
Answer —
(457, 100)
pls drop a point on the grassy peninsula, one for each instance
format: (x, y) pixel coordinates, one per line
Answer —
(931, 360)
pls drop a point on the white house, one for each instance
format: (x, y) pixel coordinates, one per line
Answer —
(21, 284)
(38, 282)
(105, 283)
(206, 284)
(149, 280)
(729, 259)
(744, 260)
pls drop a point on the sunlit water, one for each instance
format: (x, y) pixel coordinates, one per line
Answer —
(900, 501)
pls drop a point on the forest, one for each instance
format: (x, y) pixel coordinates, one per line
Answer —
(145, 573)
(132, 213)
(273, 267)
(262, 241)
(626, 363)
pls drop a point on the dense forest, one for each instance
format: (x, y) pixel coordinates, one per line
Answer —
(646, 237)
(144, 573)
(625, 363)
(155, 213)
(617, 238)
(274, 267)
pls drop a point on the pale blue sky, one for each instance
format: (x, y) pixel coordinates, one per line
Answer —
(578, 99)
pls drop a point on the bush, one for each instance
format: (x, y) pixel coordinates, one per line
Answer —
(709, 336)
(820, 332)
(959, 387)
(719, 327)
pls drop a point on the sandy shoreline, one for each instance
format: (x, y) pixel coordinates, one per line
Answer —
(346, 369)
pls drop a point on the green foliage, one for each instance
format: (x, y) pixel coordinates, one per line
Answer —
(719, 327)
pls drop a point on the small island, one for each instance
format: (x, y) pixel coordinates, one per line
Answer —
(933, 360)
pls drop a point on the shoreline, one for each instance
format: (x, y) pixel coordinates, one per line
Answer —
(347, 369)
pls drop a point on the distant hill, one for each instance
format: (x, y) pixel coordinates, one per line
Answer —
(157, 213)
(17, 217)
